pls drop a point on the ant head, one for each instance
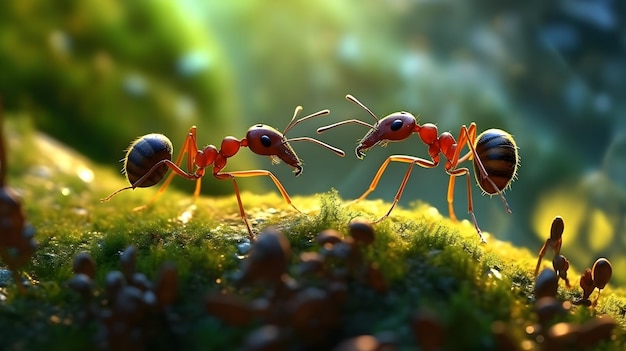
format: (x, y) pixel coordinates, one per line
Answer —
(265, 140)
(394, 127)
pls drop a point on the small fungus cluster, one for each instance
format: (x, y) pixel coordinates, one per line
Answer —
(555, 335)
(17, 243)
(559, 262)
(299, 303)
(596, 277)
(135, 309)
(292, 305)
(302, 303)
(551, 333)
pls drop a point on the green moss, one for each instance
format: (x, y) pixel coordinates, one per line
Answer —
(430, 263)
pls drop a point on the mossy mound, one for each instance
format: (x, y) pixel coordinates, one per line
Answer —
(432, 273)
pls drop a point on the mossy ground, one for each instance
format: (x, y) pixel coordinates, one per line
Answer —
(430, 263)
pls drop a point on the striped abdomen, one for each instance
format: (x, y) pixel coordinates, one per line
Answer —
(498, 153)
(143, 154)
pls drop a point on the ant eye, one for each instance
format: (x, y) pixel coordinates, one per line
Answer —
(266, 141)
(396, 125)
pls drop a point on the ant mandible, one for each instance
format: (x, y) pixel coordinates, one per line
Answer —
(494, 153)
(149, 157)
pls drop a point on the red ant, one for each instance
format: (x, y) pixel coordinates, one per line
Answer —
(494, 153)
(149, 157)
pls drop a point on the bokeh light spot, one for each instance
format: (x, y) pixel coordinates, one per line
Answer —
(601, 231)
(85, 174)
(565, 202)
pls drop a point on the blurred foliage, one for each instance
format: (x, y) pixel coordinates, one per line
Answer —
(550, 73)
(98, 74)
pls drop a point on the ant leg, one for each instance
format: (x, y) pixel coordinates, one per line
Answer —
(470, 203)
(175, 170)
(453, 163)
(260, 172)
(399, 192)
(242, 212)
(143, 178)
(395, 158)
(253, 173)
(466, 137)
(450, 199)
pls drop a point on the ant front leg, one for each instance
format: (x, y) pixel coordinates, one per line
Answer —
(396, 158)
(253, 173)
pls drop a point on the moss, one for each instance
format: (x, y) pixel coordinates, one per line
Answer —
(430, 263)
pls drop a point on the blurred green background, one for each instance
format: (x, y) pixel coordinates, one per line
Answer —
(96, 74)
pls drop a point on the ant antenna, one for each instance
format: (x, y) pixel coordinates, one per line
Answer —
(295, 114)
(351, 98)
(357, 102)
(336, 150)
(292, 124)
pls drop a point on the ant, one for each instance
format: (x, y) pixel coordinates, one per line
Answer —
(149, 157)
(494, 153)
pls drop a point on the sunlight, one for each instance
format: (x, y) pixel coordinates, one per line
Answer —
(564, 202)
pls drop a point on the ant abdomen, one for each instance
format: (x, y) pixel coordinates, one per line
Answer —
(498, 154)
(143, 154)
